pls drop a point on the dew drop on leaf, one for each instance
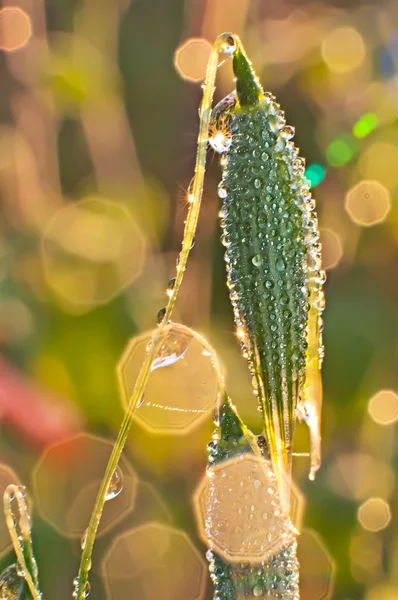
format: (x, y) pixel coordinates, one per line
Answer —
(10, 583)
(83, 540)
(287, 132)
(256, 260)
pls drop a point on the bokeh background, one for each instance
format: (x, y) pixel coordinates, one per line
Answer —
(98, 122)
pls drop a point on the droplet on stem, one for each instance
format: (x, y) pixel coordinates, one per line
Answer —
(220, 138)
(116, 484)
(173, 349)
(160, 315)
(83, 540)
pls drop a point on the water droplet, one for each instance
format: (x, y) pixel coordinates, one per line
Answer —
(83, 540)
(222, 192)
(220, 142)
(280, 265)
(287, 132)
(173, 349)
(238, 529)
(10, 583)
(258, 590)
(160, 315)
(22, 490)
(116, 484)
(256, 260)
(220, 138)
(257, 183)
(20, 571)
(170, 286)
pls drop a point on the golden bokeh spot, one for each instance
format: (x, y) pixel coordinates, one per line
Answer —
(92, 250)
(368, 203)
(366, 551)
(7, 477)
(343, 50)
(66, 480)
(383, 407)
(191, 58)
(15, 28)
(332, 248)
(374, 514)
(379, 162)
(385, 591)
(238, 510)
(156, 561)
(182, 388)
(356, 476)
(317, 568)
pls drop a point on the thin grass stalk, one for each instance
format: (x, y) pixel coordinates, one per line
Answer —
(23, 547)
(224, 43)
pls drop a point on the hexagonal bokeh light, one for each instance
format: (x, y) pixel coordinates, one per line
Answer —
(182, 387)
(148, 507)
(383, 407)
(358, 475)
(66, 481)
(317, 568)
(154, 561)
(91, 251)
(15, 28)
(7, 476)
(368, 203)
(190, 59)
(239, 513)
(374, 514)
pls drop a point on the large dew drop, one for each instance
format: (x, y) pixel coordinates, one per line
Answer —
(116, 485)
(173, 349)
(220, 136)
(10, 583)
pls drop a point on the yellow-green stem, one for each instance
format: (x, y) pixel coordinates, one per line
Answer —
(26, 565)
(223, 43)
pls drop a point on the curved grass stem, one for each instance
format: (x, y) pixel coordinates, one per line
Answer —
(224, 43)
(22, 544)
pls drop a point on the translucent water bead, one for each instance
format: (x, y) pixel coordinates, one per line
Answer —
(76, 588)
(116, 484)
(220, 138)
(173, 349)
(66, 489)
(10, 583)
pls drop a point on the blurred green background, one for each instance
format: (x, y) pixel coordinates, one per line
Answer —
(98, 123)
